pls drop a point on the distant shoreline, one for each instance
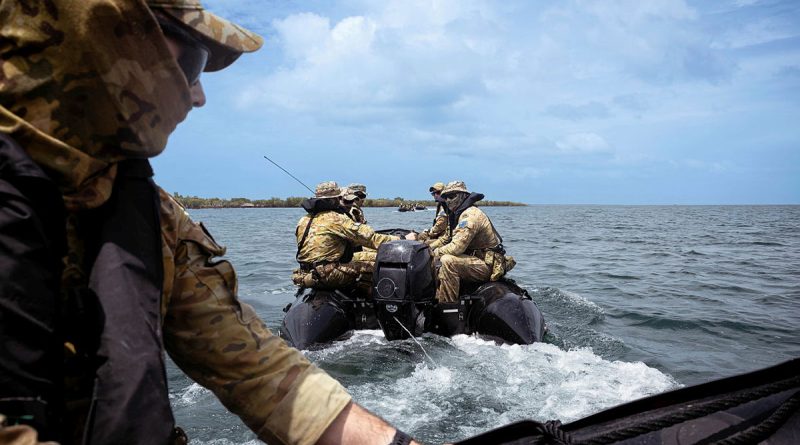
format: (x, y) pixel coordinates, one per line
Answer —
(194, 202)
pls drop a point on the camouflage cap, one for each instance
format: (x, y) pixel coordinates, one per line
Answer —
(455, 186)
(437, 187)
(358, 188)
(328, 189)
(225, 40)
(349, 194)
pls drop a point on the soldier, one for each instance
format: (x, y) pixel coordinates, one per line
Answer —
(360, 193)
(474, 251)
(100, 265)
(440, 226)
(325, 242)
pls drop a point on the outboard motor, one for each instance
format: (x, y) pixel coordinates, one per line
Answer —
(404, 287)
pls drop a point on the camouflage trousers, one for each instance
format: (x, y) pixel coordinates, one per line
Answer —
(336, 275)
(456, 268)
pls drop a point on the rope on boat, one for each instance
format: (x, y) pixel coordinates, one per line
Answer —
(415, 341)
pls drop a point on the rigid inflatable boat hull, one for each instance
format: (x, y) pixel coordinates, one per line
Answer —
(320, 317)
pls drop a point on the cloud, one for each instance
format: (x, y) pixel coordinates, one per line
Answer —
(583, 143)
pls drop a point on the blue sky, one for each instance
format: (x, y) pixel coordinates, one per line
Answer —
(544, 102)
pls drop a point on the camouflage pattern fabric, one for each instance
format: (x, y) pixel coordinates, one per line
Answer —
(438, 229)
(336, 275)
(465, 254)
(329, 235)
(328, 238)
(226, 40)
(85, 84)
(221, 343)
(455, 268)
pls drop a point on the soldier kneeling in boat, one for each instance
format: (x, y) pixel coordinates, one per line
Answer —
(474, 251)
(326, 238)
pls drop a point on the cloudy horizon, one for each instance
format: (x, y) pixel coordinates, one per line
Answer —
(555, 102)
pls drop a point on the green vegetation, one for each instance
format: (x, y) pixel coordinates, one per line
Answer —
(194, 202)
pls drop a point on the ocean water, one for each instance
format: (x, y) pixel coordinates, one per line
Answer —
(639, 300)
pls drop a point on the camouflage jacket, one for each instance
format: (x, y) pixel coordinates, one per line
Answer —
(330, 234)
(473, 232)
(222, 344)
(357, 215)
(438, 229)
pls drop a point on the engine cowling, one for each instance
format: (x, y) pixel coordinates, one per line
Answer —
(404, 287)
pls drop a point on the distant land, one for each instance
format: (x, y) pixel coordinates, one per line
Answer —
(194, 202)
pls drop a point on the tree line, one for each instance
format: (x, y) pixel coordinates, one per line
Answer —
(195, 202)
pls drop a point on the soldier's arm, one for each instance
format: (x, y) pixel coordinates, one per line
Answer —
(462, 236)
(361, 234)
(439, 242)
(439, 226)
(221, 343)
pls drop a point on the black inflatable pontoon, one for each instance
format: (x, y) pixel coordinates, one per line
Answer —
(758, 407)
(403, 304)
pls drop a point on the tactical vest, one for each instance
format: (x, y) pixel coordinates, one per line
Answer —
(106, 332)
(315, 206)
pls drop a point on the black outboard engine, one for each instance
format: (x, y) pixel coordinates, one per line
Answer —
(404, 287)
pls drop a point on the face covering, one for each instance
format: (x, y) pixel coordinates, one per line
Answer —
(453, 201)
(84, 85)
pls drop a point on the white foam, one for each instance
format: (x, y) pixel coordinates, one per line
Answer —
(580, 300)
(190, 395)
(502, 384)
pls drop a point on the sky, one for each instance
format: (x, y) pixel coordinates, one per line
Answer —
(542, 102)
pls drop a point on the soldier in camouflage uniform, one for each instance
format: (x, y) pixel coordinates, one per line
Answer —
(440, 226)
(360, 193)
(325, 243)
(88, 91)
(474, 252)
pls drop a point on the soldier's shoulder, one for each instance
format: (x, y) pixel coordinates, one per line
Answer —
(475, 212)
(172, 213)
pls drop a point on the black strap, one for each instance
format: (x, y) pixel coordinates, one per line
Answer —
(305, 235)
(499, 238)
(400, 438)
(438, 209)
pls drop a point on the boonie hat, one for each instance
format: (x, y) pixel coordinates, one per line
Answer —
(225, 40)
(455, 186)
(328, 189)
(437, 187)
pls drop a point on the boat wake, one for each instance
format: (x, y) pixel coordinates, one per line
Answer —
(479, 385)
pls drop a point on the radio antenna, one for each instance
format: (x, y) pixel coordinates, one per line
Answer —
(287, 172)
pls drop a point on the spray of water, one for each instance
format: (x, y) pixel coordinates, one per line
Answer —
(417, 342)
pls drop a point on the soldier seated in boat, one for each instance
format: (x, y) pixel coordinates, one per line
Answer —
(440, 226)
(359, 191)
(474, 251)
(326, 238)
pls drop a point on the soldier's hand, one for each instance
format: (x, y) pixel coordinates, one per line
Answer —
(411, 236)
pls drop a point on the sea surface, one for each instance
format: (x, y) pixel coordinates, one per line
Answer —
(638, 299)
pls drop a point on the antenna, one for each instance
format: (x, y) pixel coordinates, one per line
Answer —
(293, 177)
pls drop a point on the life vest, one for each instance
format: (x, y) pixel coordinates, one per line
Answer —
(109, 327)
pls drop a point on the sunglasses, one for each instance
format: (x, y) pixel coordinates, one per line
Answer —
(194, 55)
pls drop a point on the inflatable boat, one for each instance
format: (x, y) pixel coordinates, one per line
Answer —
(759, 407)
(403, 304)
